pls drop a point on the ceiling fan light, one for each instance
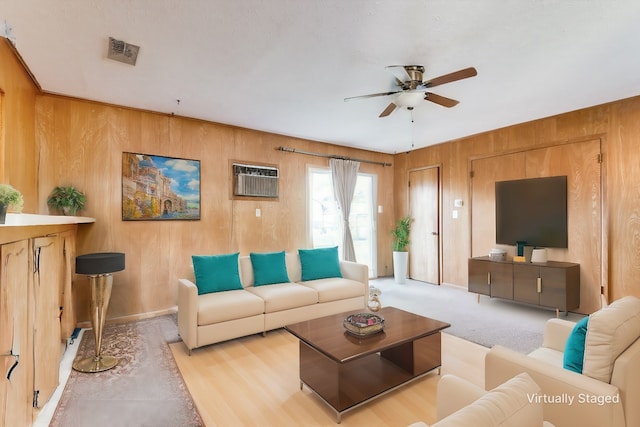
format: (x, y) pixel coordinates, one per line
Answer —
(409, 99)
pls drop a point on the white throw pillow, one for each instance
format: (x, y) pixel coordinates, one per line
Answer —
(610, 332)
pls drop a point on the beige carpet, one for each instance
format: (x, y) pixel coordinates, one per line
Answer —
(489, 322)
(144, 389)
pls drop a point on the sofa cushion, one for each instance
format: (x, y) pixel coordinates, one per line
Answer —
(336, 288)
(513, 403)
(216, 273)
(228, 305)
(269, 268)
(611, 330)
(574, 349)
(283, 296)
(320, 263)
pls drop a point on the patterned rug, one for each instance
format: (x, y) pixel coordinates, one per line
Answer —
(144, 389)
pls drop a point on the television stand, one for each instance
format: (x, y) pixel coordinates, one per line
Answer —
(552, 284)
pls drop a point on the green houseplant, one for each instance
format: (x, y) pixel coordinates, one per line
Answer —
(401, 241)
(9, 197)
(67, 199)
(401, 233)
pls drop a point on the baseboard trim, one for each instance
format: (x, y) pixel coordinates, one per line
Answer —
(133, 317)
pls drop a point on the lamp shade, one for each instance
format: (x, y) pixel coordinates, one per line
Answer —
(100, 263)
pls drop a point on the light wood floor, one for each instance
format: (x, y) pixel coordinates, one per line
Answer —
(254, 381)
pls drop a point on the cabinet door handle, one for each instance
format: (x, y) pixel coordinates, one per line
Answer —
(488, 278)
(539, 284)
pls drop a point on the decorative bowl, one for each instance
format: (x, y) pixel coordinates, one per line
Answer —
(363, 324)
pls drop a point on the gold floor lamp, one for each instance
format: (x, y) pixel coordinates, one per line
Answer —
(99, 268)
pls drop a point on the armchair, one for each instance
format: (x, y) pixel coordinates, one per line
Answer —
(461, 404)
(607, 391)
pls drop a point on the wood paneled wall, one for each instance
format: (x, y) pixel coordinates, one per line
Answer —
(18, 154)
(81, 143)
(584, 206)
(50, 140)
(616, 124)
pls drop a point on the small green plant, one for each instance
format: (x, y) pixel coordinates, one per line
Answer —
(10, 197)
(401, 233)
(67, 199)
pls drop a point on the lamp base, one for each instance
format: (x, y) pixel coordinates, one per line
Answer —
(95, 364)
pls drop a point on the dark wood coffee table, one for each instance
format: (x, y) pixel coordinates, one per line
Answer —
(347, 371)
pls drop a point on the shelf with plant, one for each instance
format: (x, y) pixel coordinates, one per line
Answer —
(10, 200)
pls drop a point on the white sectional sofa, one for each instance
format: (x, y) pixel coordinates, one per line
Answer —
(607, 390)
(208, 318)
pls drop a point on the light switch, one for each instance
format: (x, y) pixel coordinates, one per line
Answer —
(379, 209)
(454, 214)
(258, 213)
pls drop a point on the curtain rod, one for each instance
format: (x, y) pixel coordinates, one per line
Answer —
(331, 156)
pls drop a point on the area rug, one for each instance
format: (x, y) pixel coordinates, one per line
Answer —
(488, 322)
(144, 389)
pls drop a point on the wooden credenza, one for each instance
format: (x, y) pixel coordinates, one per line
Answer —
(37, 258)
(552, 284)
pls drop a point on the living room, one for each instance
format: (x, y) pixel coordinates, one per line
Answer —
(50, 139)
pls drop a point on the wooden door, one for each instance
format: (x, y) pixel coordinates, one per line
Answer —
(48, 260)
(424, 209)
(15, 391)
(479, 276)
(67, 312)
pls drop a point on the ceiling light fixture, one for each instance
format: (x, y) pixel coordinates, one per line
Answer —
(409, 99)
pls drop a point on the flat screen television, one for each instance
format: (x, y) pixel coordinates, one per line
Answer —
(533, 211)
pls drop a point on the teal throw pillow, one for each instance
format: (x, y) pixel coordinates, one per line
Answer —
(319, 263)
(574, 348)
(269, 268)
(216, 273)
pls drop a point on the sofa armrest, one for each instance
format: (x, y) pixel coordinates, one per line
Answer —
(188, 313)
(626, 371)
(356, 271)
(556, 333)
(455, 393)
(569, 395)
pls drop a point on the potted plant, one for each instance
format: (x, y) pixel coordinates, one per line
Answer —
(401, 242)
(67, 199)
(9, 197)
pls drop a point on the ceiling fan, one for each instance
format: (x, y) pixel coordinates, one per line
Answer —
(412, 88)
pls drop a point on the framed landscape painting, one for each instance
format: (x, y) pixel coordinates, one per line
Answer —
(160, 188)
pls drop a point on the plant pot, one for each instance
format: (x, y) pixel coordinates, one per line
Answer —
(3, 213)
(400, 266)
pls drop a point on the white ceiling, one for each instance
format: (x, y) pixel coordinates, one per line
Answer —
(284, 66)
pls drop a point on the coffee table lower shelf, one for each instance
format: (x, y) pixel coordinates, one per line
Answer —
(346, 385)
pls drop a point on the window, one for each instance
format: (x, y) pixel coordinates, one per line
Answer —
(325, 218)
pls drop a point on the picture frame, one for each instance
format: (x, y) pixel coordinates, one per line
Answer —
(159, 188)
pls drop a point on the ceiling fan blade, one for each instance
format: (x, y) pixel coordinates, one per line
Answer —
(388, 110)
(451, 77)
(441, 100)
(399, 72)
(372, 95)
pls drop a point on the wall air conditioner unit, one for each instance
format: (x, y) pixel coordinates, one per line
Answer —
(255, 181)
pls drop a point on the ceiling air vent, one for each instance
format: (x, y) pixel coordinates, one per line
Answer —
(256, 181)
(122, 51)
